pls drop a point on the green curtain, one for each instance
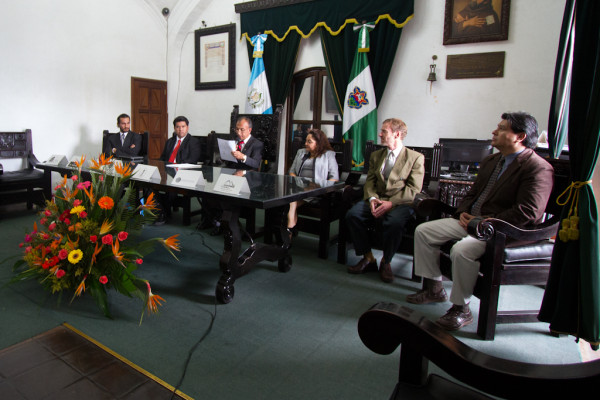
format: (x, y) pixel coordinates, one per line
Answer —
(339, 52)
(571, 301)
(280, 61)
(559, 105)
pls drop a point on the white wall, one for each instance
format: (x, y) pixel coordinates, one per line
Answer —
(66, 68)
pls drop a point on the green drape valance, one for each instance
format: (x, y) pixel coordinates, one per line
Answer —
(331, 15)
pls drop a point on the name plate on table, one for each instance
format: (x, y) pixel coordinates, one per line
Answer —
(231, 184)
(188, 178)
(57, 159)
(144, 172)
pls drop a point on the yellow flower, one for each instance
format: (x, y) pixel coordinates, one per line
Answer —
(106, 202)
(75, 256)
(77, 210)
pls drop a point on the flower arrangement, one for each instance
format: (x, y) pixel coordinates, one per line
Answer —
(85, 237)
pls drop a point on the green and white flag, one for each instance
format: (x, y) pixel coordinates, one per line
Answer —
(360, 105)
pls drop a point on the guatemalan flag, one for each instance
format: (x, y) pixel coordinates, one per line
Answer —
(258, 99)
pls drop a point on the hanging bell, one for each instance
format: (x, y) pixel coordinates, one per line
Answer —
(432, 77)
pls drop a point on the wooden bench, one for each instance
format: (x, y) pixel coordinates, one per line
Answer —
(26, 185)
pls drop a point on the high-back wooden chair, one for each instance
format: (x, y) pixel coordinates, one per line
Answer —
(28, 184)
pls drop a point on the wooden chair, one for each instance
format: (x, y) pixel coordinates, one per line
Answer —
(513, 256)
(351, 195)
(26, 185)
(387, 325)
(317, 218)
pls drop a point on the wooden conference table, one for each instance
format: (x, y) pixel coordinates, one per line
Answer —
(263, 191)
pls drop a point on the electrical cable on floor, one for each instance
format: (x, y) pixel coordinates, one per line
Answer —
(208, 330)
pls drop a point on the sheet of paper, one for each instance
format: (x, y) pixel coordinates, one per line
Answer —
(185, 166)
(225, 149)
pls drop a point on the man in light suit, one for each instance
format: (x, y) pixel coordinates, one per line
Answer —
(513, 185)
(395, 176)
(188, 147)
(248, 151)
(126, 143)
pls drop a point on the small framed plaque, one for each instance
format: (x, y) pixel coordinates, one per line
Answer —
(477, 65)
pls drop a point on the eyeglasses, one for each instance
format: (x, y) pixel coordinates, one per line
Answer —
(240, 129)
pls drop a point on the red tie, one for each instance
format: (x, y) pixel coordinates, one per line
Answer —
(240, 144)
(174, 153)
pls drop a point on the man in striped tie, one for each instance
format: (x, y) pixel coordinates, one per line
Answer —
(513, 185)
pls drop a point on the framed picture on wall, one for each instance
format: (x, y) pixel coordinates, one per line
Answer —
(471, 21)
(215, 57)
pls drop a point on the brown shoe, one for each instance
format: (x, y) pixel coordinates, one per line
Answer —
(364, 265)
(456, 318)
(426, 296)
(385, 272)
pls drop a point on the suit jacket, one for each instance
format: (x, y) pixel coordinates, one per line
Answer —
(188, 153)
(326, 166)
(405, 180)
(114, 142)
(520, 194)
(253, 150)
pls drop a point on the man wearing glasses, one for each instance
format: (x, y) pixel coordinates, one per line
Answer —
(248, 149)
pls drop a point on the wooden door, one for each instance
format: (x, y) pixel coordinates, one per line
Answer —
(149, 112)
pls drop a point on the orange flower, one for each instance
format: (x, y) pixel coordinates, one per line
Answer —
(116, 253)
(102, 160)
(123, 169)
(96, 252)
(106, 202)
(106, 227)
(79, 163)
(154, 300)
(172, 243)
(150, 203)
(81, 287)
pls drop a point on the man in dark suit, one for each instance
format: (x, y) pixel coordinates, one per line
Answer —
(248, 151)
(126, 143)
(395, 176)
(182, 148)
(513, 185)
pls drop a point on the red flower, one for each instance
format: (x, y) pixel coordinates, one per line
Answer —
(103, 279)
(63, 254)
(107, 239)
(60, 273)
(47, 213)
(74, 177)
(139, 261)
(93, 238)
(52, 226)
(82, 214)
(77, 202)
(43, 221)
(122, 235)
(67, 221)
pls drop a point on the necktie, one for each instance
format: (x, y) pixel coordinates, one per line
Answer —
(122, 138)
(174, 153)
(476, 207)
(389, 164)
(240, 145)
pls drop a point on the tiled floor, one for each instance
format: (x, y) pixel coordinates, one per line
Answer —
(62, 364)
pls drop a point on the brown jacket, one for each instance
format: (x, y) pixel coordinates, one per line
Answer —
(405, 180)
(519, 196)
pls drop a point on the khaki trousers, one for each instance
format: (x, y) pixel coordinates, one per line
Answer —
(465, 254)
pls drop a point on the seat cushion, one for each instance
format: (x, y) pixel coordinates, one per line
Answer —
(25, 177)
(529, 252)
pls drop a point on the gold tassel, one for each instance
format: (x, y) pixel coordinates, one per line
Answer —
(570, 225)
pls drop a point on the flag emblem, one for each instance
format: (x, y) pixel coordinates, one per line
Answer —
(255, 98)
(357, 98)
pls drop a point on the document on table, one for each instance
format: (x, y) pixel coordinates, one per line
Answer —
(184, 166)
(225, 149)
